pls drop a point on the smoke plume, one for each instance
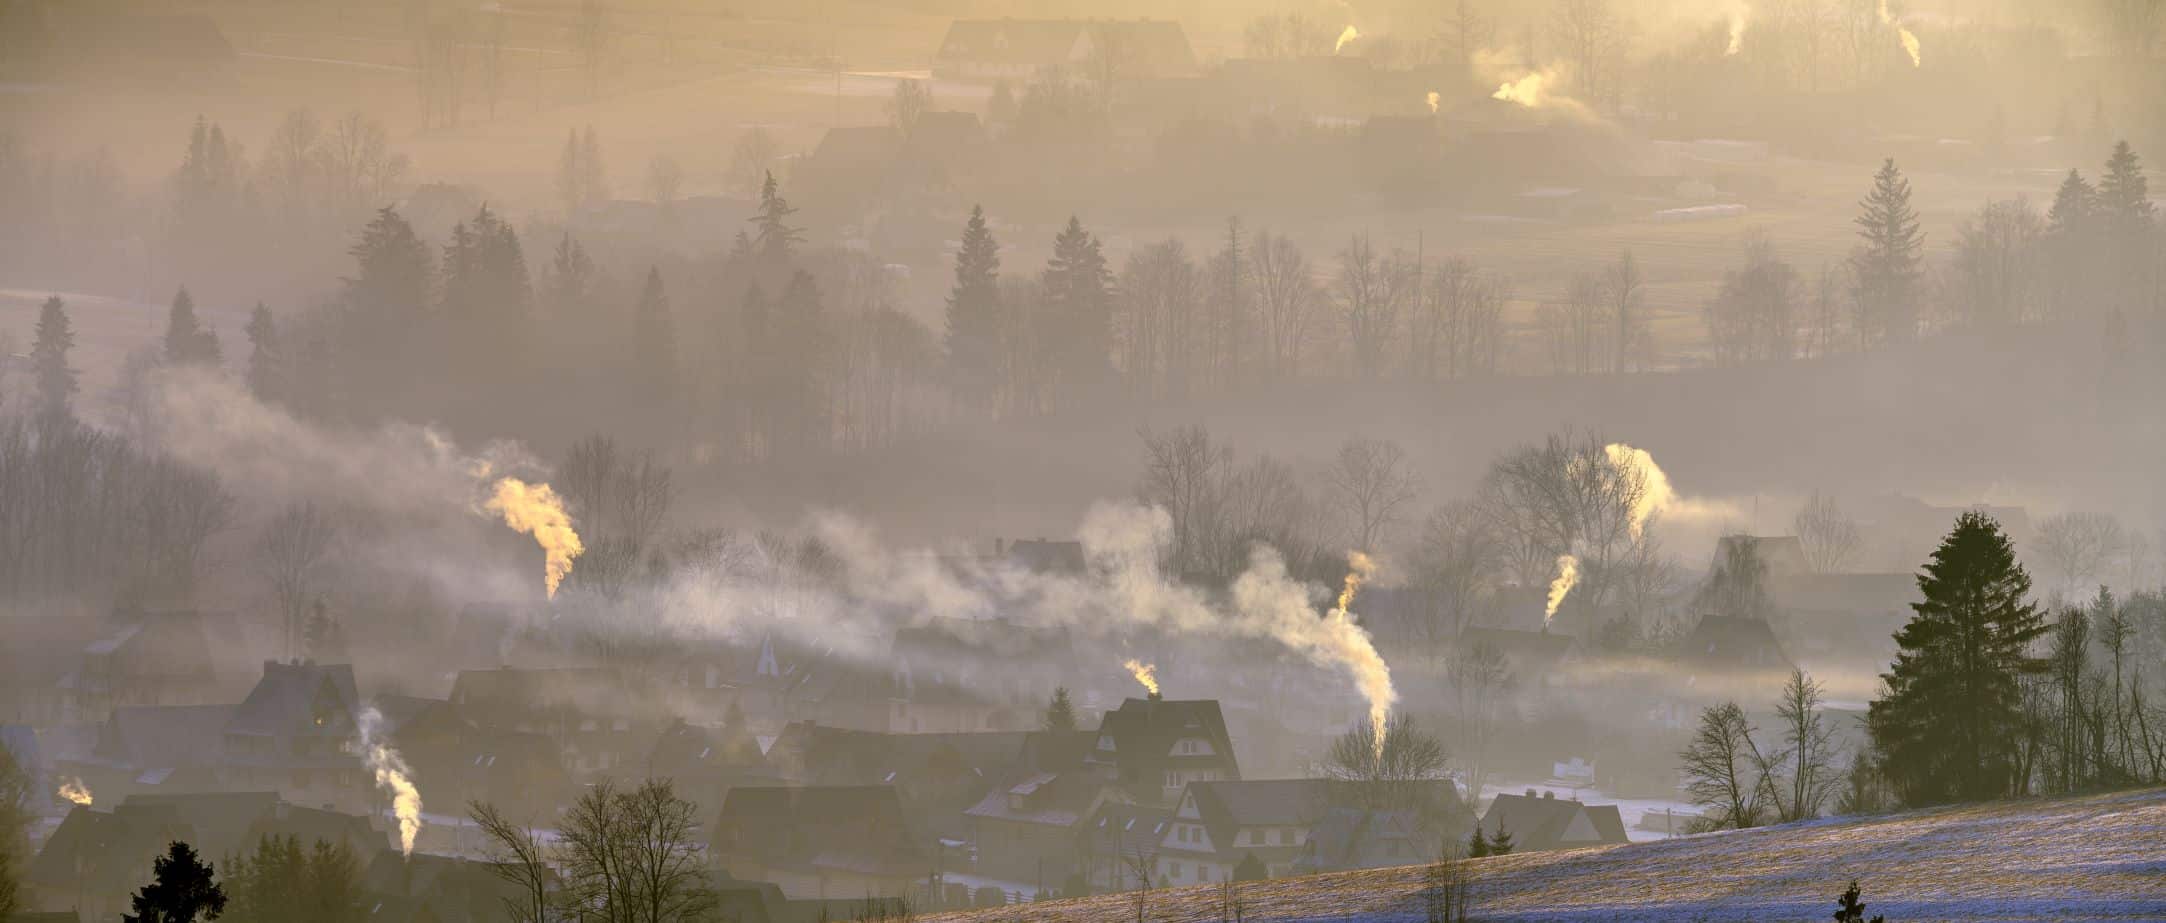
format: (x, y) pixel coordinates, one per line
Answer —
(536, 510)
(1909, 39)
(1348, 35)
(75, 791)
(392, 777)
(1145, 673)
(1567, 578)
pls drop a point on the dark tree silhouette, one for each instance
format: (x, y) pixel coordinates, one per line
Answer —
(1078, 288)
(1060, 714)
(266, 357)
(184, 889)
(49, 359)
(973, 322)
(1948, 724)
(774, 239)
(187, 341)
(1885, 268)
(1850, 908)
(654, 354)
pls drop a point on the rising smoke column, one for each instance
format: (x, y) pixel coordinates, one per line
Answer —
(75, 791)
(1567, 578)
(392, 777)
(1345, 640)
(536, 509)
(1909, 39)
(1348, 35)
(1145, 673)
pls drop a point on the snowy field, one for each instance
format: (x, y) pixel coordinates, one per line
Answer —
(2077, 859)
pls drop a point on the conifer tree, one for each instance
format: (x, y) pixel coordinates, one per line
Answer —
(1885, 269)
(2124, 195)
(56, 381)
(1947, 723)
(1079, 293)
(774, 239)
(1850, 908)
(266, 357)
(973, 322)
(2126, 224)
(182, 889)
(1060, 713)
(187, 341)
(654, 341)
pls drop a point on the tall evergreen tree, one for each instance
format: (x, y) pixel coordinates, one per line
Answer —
(2072, 243)
(654, 341)
(485, 296)
(1079, 295)
(2124, 195)
(973, 328)
(2073, 205)
(49, 359)
(2127, 228)
(1060, 713)
(266, 357)
(1947, 723)
(571, 281)
(774, 239)
(182, 889)
(187, 341)
(1885, 269)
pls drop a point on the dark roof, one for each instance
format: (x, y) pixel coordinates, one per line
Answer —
(447, 888)
(1733, 643)
(1147, 729)
(1353, 838)
(860, 828)
(684, 751)
(1532, 653)
(1784, 555)
(1046, 556)
(1048, 799)
(1544, 822)
(103, 852)
(299, 700)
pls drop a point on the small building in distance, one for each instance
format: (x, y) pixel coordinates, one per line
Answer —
(1732, 645)
(1016, 49)
(820, 842)
(1539, 822)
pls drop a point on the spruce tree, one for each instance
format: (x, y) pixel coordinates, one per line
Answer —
(1850, 908)
(973, 322)
(266, 357)
(187, 341)
(1885, 269)
(654, 341)
(1950, 715)
(774, 238)
(2127, 227)
(2073, 205)
(49, 360)
(2072, 243)
(1477, 844)
(182, 889)
(1079, 292)
(2124, 195)
(1060, 713)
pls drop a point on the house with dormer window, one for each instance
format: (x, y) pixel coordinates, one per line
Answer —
(1152, 748)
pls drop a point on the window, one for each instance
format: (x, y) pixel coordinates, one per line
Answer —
(1274, 836)
(1203, 873)
(1173, 870)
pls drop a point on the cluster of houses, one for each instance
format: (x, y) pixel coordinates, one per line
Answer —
(927, 774)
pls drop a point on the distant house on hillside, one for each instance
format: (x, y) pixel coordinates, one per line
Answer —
(1153, 748)
(1733, 645)
(1533, 657)
(1016, 49)
(1272, 825)
(1783, 555)
(820, 842)
(1545, 822)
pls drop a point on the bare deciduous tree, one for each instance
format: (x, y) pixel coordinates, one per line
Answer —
(291, 554)
(1181, 472)
(1809, 750)
(1724, 770)
(1372, 482)
(2078, 547)
(517, 857)
(1455, 564)
(1289, 299)
(1828, 536)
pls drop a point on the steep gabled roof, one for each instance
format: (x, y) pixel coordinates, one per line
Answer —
(861, 828)
(1544, 822)
(1147, 729)
(299, 700)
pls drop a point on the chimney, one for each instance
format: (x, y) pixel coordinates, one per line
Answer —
(1530, 793)
(1157, 697)
(1549, 796)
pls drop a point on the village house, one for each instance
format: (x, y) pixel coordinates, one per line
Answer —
(1273, 827)
(1542, 822)
(520, 773)
(1153, 748)
(294, 734)
(1017, 49)
(598, 720)
(1721, 645)
(938, 776)
(820, 842)
(1118, 838)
